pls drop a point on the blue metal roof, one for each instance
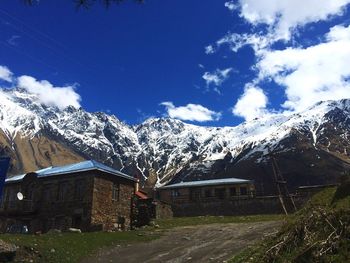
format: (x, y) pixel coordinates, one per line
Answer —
(212, 182)
(73, 168)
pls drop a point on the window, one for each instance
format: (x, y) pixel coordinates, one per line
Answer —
(175, 193)
(3, 197)
(47, 193)
(207, 193)
(233, 191)
(62, 191)
(29, 193)
(220, 193)
(79, 189)
(195, 194)
(11, 198)
(243, 190)
(115, 191)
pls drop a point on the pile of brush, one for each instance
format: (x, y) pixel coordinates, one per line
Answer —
(314, 237)
(320, 232)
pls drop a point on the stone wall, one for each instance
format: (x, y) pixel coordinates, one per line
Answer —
(109, 214)
(163, 210)
(80, 200)
(50, 202)
(205, 193)
(237, 207)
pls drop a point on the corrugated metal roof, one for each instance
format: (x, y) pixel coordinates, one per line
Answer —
(207, 183)
(73, 168)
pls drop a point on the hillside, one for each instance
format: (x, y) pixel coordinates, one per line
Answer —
(312, 147)
(320, 232)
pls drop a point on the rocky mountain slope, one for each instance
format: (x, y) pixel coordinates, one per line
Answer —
(311, 147)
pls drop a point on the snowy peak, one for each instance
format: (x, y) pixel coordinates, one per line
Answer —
(164, 148)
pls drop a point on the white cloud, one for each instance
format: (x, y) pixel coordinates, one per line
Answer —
(251, 104)
(284, 16)
(209, 49)
(231, 5)
(217, 77)
(5, 74)
(191, 112)
(309, 75)
(50, 95)
(282, 19)
(236, 41)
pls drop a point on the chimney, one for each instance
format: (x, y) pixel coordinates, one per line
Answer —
(137, 185)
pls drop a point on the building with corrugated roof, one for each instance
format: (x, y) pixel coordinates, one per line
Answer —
(86, 195)
(206, 190)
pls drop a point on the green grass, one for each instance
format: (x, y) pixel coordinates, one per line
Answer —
(204, 220)
(71, 247)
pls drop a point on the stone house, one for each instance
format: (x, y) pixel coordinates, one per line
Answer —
(227, 196)
(206, 190)
(86, 195)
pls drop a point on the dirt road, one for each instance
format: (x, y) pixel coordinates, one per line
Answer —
(203, 243)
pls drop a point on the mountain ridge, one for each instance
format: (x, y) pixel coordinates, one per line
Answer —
(162, 150)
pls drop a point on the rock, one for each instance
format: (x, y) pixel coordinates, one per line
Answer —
(74, 230)
(152, 223)
(7, 251)
(54, 231)
(52, 250)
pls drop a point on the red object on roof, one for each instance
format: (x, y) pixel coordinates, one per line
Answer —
(141, 195)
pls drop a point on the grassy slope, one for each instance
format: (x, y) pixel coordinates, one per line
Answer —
(70, 247)
(320, 232)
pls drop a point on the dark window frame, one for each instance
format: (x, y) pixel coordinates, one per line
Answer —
(220, 193)
(243, 190)
(116, 191)
(47, 193)
(175, 193)
(29, 194)
(11, 197)
(79, 189)
(208, 192)
(233, 191)
(195, 194)
(62, 191)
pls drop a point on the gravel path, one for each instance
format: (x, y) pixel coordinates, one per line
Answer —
(202, 243)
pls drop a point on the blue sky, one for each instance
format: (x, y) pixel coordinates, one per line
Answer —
(205, 62)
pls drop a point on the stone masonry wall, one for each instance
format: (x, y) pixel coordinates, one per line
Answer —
(43, 208)
(248, 206)
(109, 214)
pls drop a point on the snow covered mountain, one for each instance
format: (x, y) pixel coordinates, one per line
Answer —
(311, 146)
